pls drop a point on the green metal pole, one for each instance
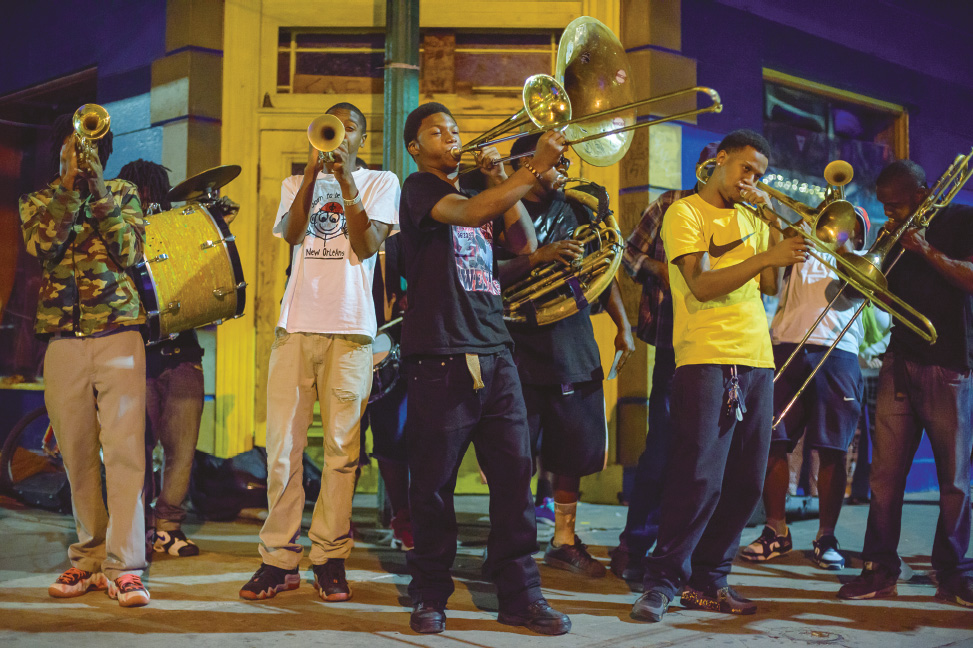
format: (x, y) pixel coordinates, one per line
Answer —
(401, 81)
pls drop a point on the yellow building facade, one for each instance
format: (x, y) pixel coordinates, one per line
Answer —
(263, 129)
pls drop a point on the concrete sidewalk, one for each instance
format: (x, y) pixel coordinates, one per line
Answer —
(195, 601)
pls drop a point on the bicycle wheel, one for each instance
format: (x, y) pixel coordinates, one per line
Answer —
(29, 472)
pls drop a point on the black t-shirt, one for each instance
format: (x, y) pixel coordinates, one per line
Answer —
(454, 303)
(564, 351)
(171, 353)
(949, 308)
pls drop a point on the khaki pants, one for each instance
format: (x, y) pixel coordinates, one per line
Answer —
(90, 381)
(336, 370)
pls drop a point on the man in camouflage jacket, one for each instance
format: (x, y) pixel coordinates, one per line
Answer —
(86, 232)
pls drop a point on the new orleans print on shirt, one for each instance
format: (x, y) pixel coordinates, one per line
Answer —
(473, 250)
(327, 222)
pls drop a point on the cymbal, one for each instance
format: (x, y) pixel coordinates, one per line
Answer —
(203, 184)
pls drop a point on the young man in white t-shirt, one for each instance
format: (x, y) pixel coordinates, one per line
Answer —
(335, 217)
(721, 259)
(827, 413)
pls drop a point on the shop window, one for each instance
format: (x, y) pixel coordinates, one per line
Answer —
(460, 62)
(330, 62)
(809, 125)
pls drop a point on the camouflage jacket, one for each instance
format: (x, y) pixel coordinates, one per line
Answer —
(85, 248)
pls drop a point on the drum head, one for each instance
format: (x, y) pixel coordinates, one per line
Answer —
(381, 347)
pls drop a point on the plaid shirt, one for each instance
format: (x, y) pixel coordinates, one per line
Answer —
(655, 309)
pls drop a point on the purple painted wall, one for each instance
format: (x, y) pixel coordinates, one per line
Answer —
(46, 39)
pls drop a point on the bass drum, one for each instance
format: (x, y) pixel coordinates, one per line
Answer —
(385, 365)
(191, 274)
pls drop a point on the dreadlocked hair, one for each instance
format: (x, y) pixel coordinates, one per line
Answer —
(64, 126)
(152, 180)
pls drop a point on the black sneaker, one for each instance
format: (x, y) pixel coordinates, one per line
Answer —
(330, 582)
(875, 581)
(768, 546)
(175, 543)
(626, 564)
(538, 617)
(959, 591)
(651, 606)
(724, 599)
(428, 618)
(574, 558)
(826, 554)
(268, 580)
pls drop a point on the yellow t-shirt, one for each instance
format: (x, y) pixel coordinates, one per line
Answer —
(731, 329)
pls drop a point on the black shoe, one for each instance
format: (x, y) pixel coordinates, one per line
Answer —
(767, 546)
(538, 617)
(268, 580)
(959, 590)
(875, 581)
(651, 606)
(428, 618)
(174, 543)
(724, 599)
(574, 558)
(626, 564)
(330, 582)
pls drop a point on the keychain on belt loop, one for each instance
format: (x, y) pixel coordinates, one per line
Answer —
(734, 404)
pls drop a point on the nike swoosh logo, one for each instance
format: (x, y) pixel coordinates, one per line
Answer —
(719, 250)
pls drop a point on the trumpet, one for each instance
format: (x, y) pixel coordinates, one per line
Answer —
(91, 123)
(326, 133)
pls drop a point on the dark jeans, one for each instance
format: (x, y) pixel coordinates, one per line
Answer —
(939, 400)
(445, 415)
(714, 477)
(642, 526)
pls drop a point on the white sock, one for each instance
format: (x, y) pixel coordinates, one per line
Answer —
(564, 515)
(779, 526)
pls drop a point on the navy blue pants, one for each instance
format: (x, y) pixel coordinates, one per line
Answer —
(445, 415)
(714, 478)
(940, 400)
(642, 526)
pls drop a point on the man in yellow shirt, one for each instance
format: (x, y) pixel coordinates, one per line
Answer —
(722, 257)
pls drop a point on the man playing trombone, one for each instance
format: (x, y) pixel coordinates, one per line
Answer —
(723, 257)
(828, 410)
(924, 387)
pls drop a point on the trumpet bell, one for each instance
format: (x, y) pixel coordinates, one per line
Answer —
(593, 68)
(91, 121)
(838, 173)
(326, 133)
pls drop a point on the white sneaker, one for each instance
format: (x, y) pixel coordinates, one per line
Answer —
(75, 582)
(129, 591)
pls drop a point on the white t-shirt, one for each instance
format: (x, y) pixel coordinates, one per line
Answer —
(807, 290)
(330, 288)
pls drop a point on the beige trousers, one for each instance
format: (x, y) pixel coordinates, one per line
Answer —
(335, 370)
(91, 381)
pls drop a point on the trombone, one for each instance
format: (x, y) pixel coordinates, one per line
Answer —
(591, 73)
(326, 133)
(939, 197)
(91, 122)
(827, 237)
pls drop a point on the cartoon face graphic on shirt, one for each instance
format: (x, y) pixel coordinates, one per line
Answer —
(327, 221)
